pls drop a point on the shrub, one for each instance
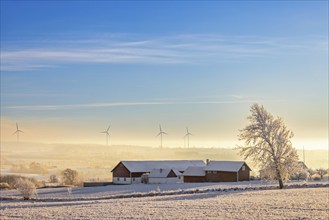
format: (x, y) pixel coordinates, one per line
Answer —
(316, 177)
(53, 179)
(12, 179)
(300, 175)
(321, 172)
(26, 188)
(4, 186)
(254, 178)
(70, 177)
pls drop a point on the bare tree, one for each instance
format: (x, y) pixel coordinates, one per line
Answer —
(70, 177)
(53, 179)
(311, 172)
(267, 143)
(321, 172)
(26, 188)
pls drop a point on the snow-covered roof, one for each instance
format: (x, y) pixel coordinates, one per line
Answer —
(147, 166)
(229, 166)
(194, 171)
(177, 173)
(160, 173)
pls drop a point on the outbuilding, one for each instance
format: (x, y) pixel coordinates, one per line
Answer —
(227, 171)
(194, 175)
(160, 176)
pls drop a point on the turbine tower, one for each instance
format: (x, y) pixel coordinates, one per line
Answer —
(17, 132)
(188, 134)
(161, 133)
(107, 134)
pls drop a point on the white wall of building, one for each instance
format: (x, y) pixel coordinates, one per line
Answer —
(126, 180)
(161, 180)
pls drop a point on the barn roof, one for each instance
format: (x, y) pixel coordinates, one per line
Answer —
(194, 171)
(147, 166)
(228, 166)
(162, 173)
(177, 173)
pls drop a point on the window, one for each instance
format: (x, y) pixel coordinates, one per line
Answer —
(118, 178)
(243, 168)
(134, 179)
(214, 172)
(124, 179)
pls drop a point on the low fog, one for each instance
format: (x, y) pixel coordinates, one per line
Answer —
(94, 162)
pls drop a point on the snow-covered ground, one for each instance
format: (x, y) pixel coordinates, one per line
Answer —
(244, 200)
(117, 190)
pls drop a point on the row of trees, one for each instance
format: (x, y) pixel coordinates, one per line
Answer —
(33, 167)
(299, 174)
(27, 186)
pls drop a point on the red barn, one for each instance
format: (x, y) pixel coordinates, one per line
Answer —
(227, 171)
(194, 175)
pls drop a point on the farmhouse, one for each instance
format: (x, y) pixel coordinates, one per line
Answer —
(227, 171)
(177, 171)
(128, 172)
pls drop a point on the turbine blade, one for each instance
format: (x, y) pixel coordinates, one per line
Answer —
(108, 128)
(160, 128)
(16, 126)
(14, 133)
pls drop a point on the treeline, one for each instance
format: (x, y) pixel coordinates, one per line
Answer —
(299, 174)
(33, 167)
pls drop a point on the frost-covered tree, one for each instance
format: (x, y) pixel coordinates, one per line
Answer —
(267, 143)
(70, 177)
(311, 172)
(300, 174)
(321, 172)
(26, 188)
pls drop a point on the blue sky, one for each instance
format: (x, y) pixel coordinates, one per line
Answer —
(74, 67)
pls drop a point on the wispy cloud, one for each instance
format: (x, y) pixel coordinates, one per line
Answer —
(162, 50)
(125, 104)
(80, 106)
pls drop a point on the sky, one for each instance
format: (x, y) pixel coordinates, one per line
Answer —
(71, 69)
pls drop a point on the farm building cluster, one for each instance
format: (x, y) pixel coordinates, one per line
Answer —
(179, 171)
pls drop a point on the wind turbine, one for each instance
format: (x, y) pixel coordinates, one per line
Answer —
(188, 134)
(161, 133)
(17, 132)
(107, 134)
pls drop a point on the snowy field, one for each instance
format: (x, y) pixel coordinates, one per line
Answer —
(254, 200)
